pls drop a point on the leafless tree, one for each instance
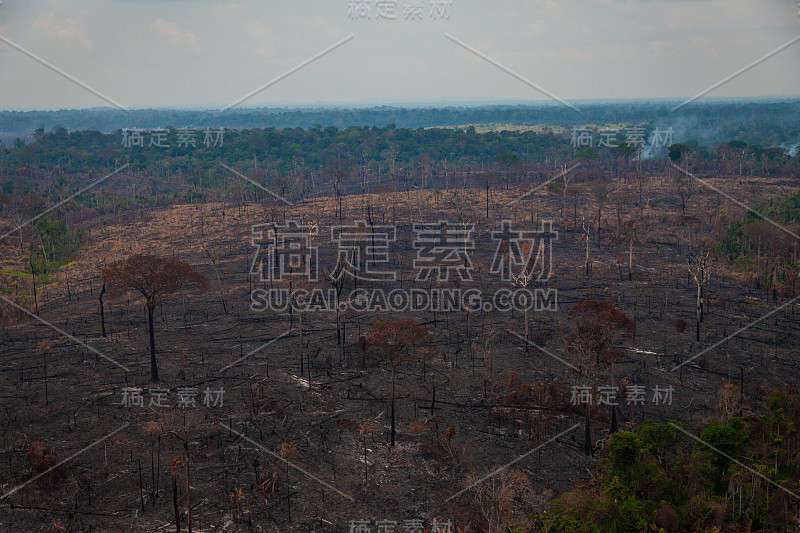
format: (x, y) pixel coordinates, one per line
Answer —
(700, 269)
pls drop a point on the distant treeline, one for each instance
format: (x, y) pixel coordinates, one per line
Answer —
(279, 151)
(766, 123)
(312, 160)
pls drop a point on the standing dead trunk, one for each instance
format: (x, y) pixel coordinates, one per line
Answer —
(699, 308)
(213, 258)
(586, 229)
(300, 318)
(587, 434)
(700, 271)
(487, 198)
(188, 497)
(630, 261)
(153, 366)
(33, 277)
(527, 330)
(614, 424)
(102, 309)
(392, 438)
(175, 504)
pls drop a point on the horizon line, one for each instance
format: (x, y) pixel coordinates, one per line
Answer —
(414, 104)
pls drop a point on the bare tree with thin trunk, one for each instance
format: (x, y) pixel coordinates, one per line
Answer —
(212, 254)
(700, 269)
(587, 229)
(600, 192)
(528, 273)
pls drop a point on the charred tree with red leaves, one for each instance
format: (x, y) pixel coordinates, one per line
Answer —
(156, 278)
(400, 342)
(594, 341)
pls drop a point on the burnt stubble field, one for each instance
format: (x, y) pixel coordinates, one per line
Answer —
(300, 435)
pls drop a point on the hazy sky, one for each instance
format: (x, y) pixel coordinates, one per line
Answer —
(162, 53)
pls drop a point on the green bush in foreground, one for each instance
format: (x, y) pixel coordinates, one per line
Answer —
(658, 479)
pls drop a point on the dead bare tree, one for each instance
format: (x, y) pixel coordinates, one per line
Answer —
(587, 228)
(630, 232)
(700, 269)
(600, 191)
(528, 273)
(211, 253)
